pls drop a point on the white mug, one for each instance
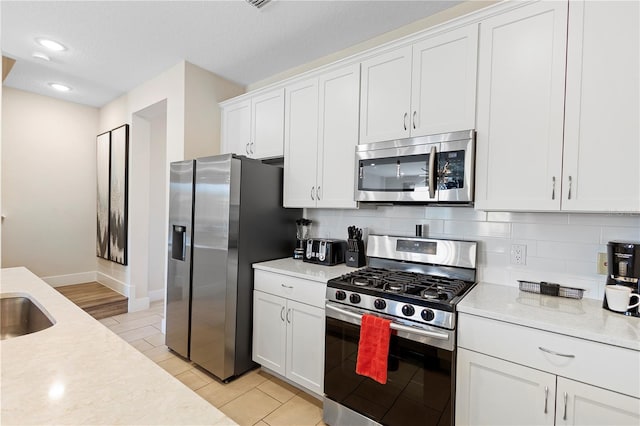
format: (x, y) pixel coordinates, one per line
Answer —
(619, 296)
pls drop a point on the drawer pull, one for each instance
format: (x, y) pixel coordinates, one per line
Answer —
(286, 286)
(546, 398)
(549, 351)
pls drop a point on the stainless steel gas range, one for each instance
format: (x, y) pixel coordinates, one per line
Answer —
(416, 283)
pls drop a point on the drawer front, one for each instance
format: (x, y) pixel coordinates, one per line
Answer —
(303, 291)
(598, 364)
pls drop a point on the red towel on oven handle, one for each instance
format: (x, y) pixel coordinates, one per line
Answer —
(373, 348)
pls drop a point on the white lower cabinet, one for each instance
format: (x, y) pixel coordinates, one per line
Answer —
(514, 375)
(288, 336)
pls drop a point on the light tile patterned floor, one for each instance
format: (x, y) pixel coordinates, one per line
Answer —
(256, 398)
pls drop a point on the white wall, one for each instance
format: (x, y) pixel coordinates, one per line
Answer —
(188, 126)
(561, 247)
(49, 186)
(202, 115)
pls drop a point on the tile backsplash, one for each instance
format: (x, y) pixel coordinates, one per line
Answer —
(560, 247)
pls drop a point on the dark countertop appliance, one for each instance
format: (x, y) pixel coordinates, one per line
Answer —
(325, 251)
(225, 213)
(416, 283)
(623, 268)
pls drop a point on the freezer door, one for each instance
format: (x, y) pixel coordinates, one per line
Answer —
(214, 263)
(179, 256)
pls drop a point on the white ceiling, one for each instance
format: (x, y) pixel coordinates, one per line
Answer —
(114, 46)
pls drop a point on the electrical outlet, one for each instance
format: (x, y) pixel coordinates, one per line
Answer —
(602, 263)
(518, 254)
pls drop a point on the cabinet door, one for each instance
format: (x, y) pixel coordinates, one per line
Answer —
(581, 404)
(269, 331)
(386, 96)
(236, 128)
(602, 148)
(520, 106)
(338, 137)
(305, 345)
(443, 87)
(267, 133)
(301, 144)
(490, 391)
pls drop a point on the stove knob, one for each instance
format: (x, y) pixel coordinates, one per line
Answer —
(354, 298)
(408, 310)
(427, 314)
(340, 295)
(379, 304)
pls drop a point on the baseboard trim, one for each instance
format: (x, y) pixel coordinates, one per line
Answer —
(155, 295)
(70, 279)
(139, 304)
(114, 284)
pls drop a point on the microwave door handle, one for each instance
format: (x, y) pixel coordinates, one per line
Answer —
(432, 172)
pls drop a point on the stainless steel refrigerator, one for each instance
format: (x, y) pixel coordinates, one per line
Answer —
(225, 213)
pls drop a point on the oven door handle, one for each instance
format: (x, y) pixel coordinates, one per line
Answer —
(394, 326)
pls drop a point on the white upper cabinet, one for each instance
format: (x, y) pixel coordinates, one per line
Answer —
(236, 128)
(520, 109)
(540, 148)
(386, 96)
(267, 129)
(602, 137)
(422, 89)
(301, 144)
(321, 133)
(443, 84)
(255, 127)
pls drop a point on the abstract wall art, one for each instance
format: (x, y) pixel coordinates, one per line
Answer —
(112, 194)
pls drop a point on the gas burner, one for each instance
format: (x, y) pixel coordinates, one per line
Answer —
(360, 281)
(394, 288)
(431, 294)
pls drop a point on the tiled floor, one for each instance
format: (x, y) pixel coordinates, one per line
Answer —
(256, 398)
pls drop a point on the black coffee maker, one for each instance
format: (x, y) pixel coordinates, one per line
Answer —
(623, 268)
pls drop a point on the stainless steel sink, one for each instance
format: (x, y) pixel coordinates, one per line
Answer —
(19, 315)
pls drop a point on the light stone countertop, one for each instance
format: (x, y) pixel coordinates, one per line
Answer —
(79, 372)
(300, 269)
(582, 318)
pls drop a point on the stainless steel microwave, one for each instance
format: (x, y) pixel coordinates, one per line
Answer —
(427, 169)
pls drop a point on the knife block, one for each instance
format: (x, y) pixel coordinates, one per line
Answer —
(356, 258)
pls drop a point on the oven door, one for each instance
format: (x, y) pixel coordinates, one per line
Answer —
(420, 377)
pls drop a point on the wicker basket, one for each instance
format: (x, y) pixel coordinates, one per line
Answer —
(551, 289)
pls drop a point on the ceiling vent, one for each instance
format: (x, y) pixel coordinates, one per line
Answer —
(258, 3)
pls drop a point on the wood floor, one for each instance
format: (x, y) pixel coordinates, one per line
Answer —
(95, 299)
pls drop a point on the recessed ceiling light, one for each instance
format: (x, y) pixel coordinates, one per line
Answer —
(42, 56)
(60, 87)
(51, 44)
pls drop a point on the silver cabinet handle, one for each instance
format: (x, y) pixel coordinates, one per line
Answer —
(247, 148)
(549, 351)
(313, 193)
(415, 113)
(318, 193)
(251, 146)
(570, 182)
(546, 396)
(286, 286)
(432, 172)
(288, 316)
(553, 188)
(405, 120)
(282, 314)
(564, 417)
